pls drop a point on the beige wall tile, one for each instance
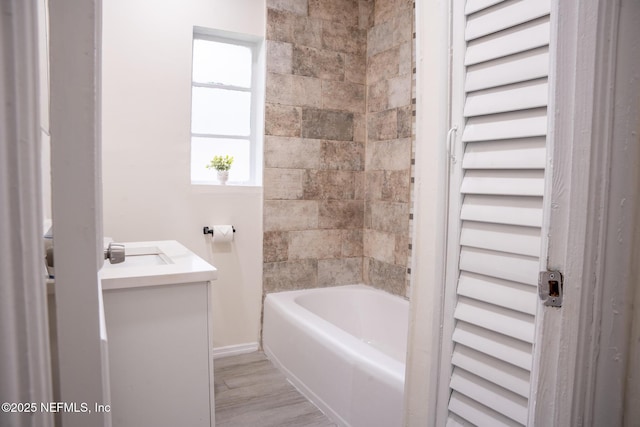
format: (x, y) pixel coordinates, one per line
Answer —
(293, 90)
(384, 65)
(405, 121)
(381, 38)
(289, 27)
(326, 124)
(282, 120)
(279, 25)
(399, 91)
(378, 96)
(403, 26)
(359, 127)
(389, 9)
(289, 275)
(283, 215)
(283, 184)
(307, 32)
(352, 243)
(392, 217)
(396, 186)
(365, 20)
(333, 185)
(279, 55)
(343, 96)
(380, 245)
(346, 11)
(344, 271)
(374, 182)
(381, 126)
(345, 214)
(388, 185)
(275, 246)
(342, 155)
(319, 63)
(405, 58)
(401, 252)
(385, 276)
(394, 154)
(315, 244)
(340, 37)
(281, 152)
(299, 7)
(355, 69)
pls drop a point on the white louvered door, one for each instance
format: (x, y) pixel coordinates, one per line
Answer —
(498, 188)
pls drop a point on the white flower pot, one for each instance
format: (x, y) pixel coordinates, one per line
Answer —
(223, 177)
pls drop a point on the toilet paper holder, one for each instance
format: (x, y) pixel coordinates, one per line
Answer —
(208, 230)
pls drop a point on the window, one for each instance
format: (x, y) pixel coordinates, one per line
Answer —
(224, 108)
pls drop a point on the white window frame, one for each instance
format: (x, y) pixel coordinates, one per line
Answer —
(255, 45)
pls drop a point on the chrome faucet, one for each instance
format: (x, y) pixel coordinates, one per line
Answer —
(114, 253)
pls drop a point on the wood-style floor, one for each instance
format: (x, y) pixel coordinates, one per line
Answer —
(251, 391)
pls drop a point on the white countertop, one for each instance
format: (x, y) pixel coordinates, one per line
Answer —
(180, 265)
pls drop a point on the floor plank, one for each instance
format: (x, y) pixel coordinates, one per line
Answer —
(251, 391)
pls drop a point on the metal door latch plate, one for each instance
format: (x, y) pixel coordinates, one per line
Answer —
(550, 288)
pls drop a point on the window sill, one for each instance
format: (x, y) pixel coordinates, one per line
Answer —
(215, 188)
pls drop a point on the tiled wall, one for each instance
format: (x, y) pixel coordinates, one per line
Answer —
(337, 143)
(389, 145)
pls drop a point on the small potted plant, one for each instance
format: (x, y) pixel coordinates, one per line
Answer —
(222, 164)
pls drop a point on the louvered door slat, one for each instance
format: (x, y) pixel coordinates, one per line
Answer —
(508, 376)
(472, 410)
(502, 238)
(514, 40)
(517, 268)
(519, 96)
(519, 124)
(473, 6)
(455, 421)
(490, 395)
(505, 15)
(520, 153)
(503, 293)
(497, 319)
(501, 180)
(511, 69)
(510, 350)
(526, 211)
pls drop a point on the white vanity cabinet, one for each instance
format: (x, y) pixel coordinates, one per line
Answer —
(158, 323)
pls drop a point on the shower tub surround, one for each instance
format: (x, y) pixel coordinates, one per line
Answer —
(338, 144)
(344, 348)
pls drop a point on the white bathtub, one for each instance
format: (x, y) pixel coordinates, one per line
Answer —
(342, 347)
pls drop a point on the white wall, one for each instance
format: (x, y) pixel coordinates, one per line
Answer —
(146, 136)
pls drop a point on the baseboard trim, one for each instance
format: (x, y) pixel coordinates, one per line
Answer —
(233, 350)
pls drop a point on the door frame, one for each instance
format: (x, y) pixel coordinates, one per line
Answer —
(454, 153)
(589, 170)
(24, 355)
(75, 46)
(429, 237)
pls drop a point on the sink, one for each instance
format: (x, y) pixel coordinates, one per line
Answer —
(145, 256)
(155, 263)
(140, 260)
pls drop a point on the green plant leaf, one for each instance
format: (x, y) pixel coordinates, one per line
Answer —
(221, 163)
